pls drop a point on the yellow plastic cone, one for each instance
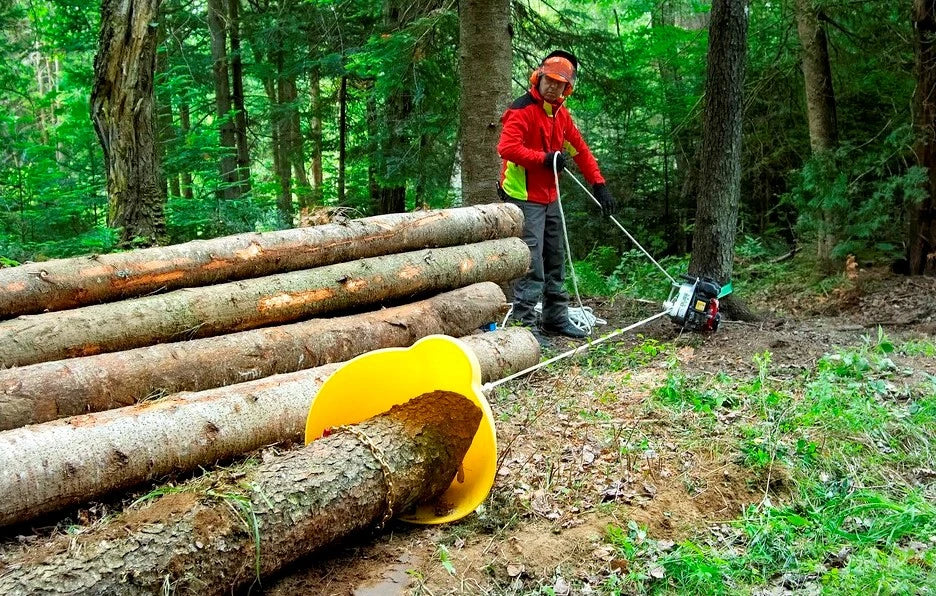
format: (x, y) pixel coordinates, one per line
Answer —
(372, 383)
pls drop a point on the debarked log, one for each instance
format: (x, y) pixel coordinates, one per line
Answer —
(69, 283)
(45, 467)
(237, 306)
(51, 390)
(214, 541)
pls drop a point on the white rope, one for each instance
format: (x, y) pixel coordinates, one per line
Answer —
(581, 348)
(582, 323)
(583, 318)
(618, 224)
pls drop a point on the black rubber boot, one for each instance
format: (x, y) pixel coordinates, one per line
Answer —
(566, 328)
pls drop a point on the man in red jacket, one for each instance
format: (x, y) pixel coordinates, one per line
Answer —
(537, 140)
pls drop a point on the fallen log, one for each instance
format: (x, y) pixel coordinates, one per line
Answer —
(51, 390)
(45, 467)
(215, 541)
(69, 283)
(237, 306)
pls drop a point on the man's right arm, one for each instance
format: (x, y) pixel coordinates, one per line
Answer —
(511, 147)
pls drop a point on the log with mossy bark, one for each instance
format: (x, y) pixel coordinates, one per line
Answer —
(45, 467)
(219, 539)
(51, 390)
(69, 283)
(242, 305)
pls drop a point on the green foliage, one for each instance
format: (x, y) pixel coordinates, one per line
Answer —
(852, 194)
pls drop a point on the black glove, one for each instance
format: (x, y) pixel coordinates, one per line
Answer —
(604, 197)
(560, 161)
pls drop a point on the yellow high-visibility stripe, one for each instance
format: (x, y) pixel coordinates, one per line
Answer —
(515, 182)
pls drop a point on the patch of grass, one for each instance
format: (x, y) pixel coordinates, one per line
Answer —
(918, 347)
(853, 519)
(680, 392)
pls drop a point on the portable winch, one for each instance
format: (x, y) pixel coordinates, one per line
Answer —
(693, 304)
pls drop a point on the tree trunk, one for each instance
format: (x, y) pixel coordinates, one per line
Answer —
(216, 541)
(122, 101)
(238, 306)
(68, 283)
(720, 184)
(237, 97)
(49, 466)
(820, 107)
(485, 68)
(343, 139)
(165, 133)
(921, 253)
(373, 190)
(280, 122)
(52, 390)
(185, 125)
(217, 16)
(315, 93)
(289, 97)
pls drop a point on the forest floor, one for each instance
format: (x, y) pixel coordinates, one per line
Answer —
(794, 455)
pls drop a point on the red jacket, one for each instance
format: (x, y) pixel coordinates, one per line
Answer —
(532, 128)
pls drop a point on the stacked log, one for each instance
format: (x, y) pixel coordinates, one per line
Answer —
(116, 370)
(45, 467)
(69, 283)
(216, 541)
(52, 390)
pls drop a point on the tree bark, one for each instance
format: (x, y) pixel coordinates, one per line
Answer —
(238, 306)
(237, 98)
(921, 245)
(52, 390)
(820, 107)
(485, 68)
(720, 183)
(122, 109)
(217, 16)
(69, 283)
(45, 467)
(217, 540)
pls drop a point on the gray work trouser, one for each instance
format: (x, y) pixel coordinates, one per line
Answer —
(542, 232)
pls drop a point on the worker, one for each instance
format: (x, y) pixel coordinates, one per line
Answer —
(537, 139)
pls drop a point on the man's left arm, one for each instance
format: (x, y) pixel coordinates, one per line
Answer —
(576, 147)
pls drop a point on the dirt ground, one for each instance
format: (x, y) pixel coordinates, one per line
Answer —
(559, 485)
(563, 476)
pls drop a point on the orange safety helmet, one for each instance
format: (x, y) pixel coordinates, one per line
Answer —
(559, 65)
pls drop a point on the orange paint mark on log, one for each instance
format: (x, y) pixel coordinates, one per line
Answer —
(16, 286)
(250, 252)
(466, 265)
(287, 300)
(146, 280)
(409, 272)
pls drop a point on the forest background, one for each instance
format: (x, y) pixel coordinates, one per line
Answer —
(266, 109)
